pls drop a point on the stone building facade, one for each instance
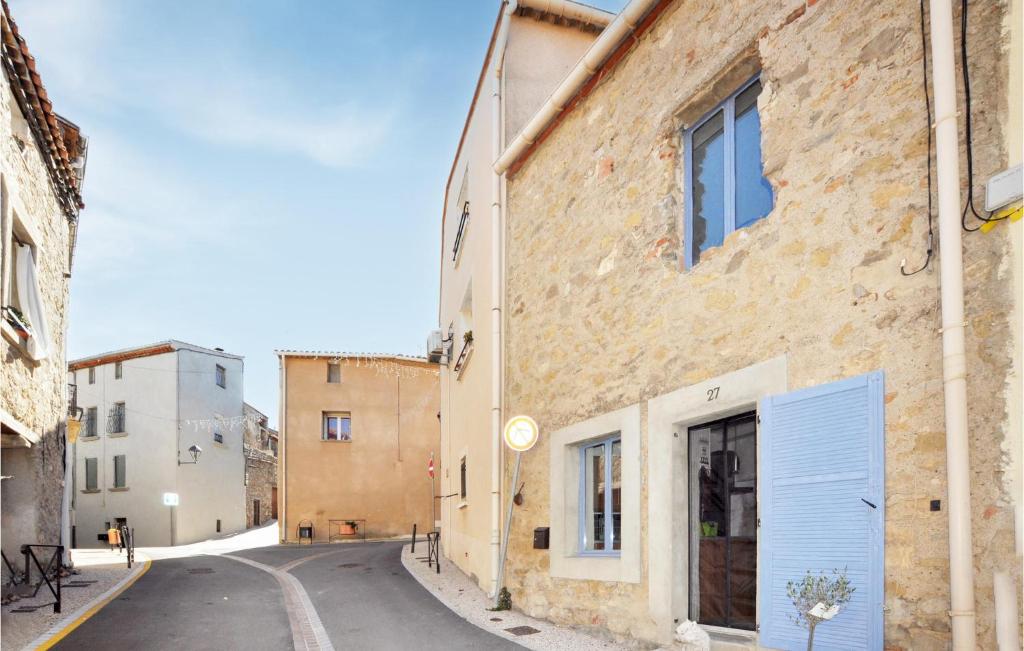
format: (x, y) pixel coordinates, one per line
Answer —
(42, 157)
(260, 445)
(611, 330)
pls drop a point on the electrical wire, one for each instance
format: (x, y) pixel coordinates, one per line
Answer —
(969, 205)
(928, 154)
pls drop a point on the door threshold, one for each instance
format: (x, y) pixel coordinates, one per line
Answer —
(727, 639)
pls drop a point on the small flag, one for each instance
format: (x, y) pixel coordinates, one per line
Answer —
(430, 466)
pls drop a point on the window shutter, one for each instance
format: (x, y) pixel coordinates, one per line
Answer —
(90, 474)
(822, 508)
(119, 471)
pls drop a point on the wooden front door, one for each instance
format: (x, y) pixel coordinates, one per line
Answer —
(255, 513)
(273, 502)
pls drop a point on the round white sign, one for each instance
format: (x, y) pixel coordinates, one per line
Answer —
(521, 433)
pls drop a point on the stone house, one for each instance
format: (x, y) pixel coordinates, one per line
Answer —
(42, 163)
(260, 448)
(705, 313)
(357, 434)
(533, 45)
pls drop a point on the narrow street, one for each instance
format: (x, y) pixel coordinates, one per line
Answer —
(361, 593)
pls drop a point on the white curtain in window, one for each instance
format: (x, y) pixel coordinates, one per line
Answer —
(31, 304)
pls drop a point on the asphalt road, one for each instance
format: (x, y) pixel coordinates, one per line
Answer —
(364, 597)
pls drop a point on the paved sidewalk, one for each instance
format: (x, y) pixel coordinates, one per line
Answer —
(456, 591)
(105, 570)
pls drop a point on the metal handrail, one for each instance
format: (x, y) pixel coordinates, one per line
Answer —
(58, 554)
(462, 227)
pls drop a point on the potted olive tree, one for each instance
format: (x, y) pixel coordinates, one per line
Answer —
(818, 599)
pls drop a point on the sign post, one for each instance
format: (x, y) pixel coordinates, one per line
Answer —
(430, 473)
(171, 500)
(521, 434)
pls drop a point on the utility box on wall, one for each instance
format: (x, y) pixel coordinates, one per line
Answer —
(540, 537)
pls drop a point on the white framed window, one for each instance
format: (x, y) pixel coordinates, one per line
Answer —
(337, 426)
(117, 419)
(118, 371)
(595, 498)
(23, 311)
(601, 496)
(92, 375)
(221, 376)
(725, 188)
(90, 428)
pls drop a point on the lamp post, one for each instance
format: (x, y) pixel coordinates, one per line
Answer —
(194, 451)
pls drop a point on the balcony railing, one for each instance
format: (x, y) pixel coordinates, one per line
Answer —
(467, 348)
(73, 410)
(462, 227)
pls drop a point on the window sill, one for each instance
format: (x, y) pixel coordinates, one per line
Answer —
(91, 490)
(116, 435)
(122, 489)
(88, 439)
(615, 554)
(462, 505)
(11, 335)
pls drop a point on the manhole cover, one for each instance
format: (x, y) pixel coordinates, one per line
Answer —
(201, 570)
(348, 566)
(496, 619)
(522, 630)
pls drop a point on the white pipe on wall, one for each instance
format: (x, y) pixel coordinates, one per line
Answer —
(610, 38)
(496, 272)
(954, 361)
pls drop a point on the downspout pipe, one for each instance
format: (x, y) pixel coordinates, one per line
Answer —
(613, 35)
(496, 284)
(954, 360)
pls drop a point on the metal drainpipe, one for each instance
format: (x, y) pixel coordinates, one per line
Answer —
(954, 361)
(496, 272)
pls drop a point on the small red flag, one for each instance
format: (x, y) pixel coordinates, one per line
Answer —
(430, 466)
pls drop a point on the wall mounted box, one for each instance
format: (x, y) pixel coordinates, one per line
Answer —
(541, 536)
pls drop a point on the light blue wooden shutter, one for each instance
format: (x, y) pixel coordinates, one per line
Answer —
(823, 508)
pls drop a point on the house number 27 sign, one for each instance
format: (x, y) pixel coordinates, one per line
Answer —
(521, 433)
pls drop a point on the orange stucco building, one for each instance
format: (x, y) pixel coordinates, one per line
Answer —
(357, 435)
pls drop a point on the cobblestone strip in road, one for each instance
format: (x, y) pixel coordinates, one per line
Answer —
(308, 633)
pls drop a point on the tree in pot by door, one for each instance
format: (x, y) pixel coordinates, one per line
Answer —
(818, 599)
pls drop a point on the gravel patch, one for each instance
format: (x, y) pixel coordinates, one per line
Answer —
(20, 630)
(455, 590)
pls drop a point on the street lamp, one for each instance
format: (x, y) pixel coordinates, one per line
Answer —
(194, 451)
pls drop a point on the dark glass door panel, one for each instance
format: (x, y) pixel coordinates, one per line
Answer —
(723, 522)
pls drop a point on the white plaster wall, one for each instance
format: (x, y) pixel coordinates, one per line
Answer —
(538, 57)
(215, 487)
(147, 388)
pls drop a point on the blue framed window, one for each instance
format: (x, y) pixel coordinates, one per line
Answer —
(601, 497)
(725, 184)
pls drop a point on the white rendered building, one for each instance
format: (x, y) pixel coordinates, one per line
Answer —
(143, 409)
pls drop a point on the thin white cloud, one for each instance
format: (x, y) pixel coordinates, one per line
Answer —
(212, 95)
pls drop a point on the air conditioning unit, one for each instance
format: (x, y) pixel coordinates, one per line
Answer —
(435, 347)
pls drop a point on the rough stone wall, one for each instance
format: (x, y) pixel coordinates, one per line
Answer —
(261, 479)
(600, 313)
(34, 393)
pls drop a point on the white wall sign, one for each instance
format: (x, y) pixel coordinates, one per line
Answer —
(521, 433)
(170, 499)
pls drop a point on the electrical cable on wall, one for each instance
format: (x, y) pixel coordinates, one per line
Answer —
(928, 126)
(969, 206)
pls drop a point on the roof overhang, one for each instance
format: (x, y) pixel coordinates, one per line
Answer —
(14, 433)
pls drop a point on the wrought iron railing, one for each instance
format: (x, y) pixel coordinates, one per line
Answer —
(462, 227)
(115, 422)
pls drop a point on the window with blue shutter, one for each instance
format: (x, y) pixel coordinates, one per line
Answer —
(822, 508)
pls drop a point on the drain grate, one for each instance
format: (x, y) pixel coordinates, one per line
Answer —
(522, 630)
(26, 609)
(496, 619)
(200, 570)
(348, 566)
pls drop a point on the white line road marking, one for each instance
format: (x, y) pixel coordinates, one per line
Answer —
(308, 633)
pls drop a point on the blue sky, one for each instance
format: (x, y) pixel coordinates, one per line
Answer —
(261, 174)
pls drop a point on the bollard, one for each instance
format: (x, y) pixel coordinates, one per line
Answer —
(413, 550)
